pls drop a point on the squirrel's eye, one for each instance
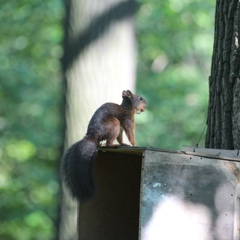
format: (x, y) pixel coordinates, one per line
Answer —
(141, 98)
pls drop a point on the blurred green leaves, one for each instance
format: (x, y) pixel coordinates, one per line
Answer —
(30, 121)
(175, 41)
(20, 150)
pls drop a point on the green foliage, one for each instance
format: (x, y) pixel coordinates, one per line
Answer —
(175, 41)
(30, 123)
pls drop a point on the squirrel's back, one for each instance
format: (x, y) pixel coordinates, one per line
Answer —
(101, 119)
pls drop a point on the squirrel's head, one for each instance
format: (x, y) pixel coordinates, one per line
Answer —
(137, 102)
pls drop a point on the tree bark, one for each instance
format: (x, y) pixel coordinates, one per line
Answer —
(224, 83)
(98, 63)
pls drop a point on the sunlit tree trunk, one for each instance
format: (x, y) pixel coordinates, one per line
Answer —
(224, 83)
(98, 63)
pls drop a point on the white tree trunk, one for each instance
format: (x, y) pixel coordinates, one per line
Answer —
(99, 62)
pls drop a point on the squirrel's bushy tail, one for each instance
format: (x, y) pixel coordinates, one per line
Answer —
(77, 168)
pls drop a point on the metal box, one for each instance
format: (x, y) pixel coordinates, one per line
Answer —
(154, 194)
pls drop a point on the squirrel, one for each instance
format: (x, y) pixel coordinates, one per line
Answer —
(107, 123)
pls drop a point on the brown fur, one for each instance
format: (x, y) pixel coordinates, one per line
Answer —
(107, 123)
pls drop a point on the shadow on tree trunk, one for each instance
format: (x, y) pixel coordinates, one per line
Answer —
(95, 30)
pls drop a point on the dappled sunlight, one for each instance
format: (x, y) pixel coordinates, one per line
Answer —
(189, 198)
(175, 218)
(224, 226)
(224, 204)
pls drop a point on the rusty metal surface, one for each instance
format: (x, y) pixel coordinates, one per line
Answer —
(189, 197)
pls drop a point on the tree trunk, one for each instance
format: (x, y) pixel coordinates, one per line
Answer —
(224, 83)
(98, 63)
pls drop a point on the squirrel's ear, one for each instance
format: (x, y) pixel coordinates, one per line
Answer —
(130, 95)
(127, 93)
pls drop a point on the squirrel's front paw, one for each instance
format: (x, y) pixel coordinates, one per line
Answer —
(124, 144)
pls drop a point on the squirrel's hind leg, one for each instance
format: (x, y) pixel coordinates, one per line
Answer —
(120, 136)
(114, 130)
